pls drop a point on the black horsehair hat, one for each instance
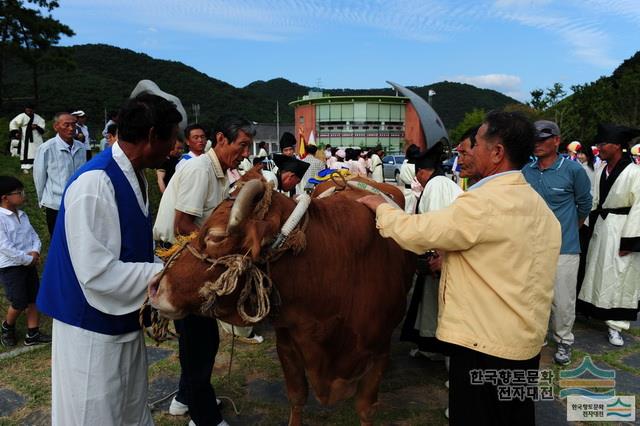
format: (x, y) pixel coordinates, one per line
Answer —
(619, 135)
(429, 159)
(291, 164)
(287, 140)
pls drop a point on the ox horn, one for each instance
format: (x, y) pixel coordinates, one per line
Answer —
(244, 202)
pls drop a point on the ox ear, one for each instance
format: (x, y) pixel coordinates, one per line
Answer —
(255, 233)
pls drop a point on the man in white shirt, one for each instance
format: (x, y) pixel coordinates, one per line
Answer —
(98, 265)
(192, 194)
(56, 160)
(376, 164)
(196, 139)
(82, 131)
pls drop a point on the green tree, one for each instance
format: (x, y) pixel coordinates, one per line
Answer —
(471, 119)
(538, 100)
(28, 34)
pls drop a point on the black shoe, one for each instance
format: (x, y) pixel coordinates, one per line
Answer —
(8, 337)
(36, 339)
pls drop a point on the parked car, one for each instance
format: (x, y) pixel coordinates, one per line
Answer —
(391, 167)
(447, 164)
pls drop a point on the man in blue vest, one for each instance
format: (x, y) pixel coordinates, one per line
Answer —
(95, 278)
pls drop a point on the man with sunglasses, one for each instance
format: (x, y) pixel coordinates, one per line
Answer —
(566, 188)
(611, 286)
(501, 245)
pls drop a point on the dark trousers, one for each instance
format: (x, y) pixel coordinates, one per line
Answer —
(198, 344)
(471, 404)
(52, 215)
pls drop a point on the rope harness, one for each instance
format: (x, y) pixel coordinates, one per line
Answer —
(257, 295)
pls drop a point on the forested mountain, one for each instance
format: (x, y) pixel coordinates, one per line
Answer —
(613, 99)
(103, 76)
(452, 100)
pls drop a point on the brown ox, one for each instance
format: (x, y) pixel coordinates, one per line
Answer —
(341, 297)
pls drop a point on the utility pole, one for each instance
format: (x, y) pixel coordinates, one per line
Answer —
(278, 120)
(196, 111)
(432, 93)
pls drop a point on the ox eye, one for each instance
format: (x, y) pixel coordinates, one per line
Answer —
(216, 235)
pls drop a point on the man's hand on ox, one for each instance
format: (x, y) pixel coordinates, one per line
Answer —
(372, 201)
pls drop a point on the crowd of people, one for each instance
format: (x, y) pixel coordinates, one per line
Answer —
(505, 258)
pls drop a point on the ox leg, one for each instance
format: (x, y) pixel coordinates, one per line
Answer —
(293, 368)
(367, 395)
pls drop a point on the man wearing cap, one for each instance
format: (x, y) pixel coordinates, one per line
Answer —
(438, 193)
(611, 287)
(192, 194)
(494, 300)
(377, 172)
(82, 131)
(55, 162)
(95, 279)
(573, 149)
(566, 188)
(287, 144)
(290, 171)
(29, 128)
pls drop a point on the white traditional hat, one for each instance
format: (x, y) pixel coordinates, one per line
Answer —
(148, 86)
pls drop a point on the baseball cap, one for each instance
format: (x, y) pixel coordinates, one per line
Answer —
(545, 129)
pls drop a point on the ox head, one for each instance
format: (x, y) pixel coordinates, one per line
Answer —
(240, 226)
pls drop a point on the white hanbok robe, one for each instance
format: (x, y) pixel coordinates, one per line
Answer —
(100, 379)
(612, 281)
(407, 175)
(438, 194)
(376, 168)
(28, 150)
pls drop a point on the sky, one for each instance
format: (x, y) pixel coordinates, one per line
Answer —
(513, 46)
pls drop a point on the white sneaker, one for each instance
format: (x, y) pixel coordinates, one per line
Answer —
(253, 340)
(615, 338)
(177, 408)
(429, 355)
(222, 423)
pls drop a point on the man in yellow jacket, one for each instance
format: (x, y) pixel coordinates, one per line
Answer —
(502, 243)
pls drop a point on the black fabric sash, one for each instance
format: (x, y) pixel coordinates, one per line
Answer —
(28, 138)
(604, 212)
(605, 186)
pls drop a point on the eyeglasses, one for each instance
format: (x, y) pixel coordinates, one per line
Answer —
(17, 192)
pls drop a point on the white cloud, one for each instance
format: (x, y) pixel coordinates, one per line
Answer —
(584, 37)
(508, 84)
(626, 9)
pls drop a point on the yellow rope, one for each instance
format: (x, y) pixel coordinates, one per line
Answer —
(256, 290)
